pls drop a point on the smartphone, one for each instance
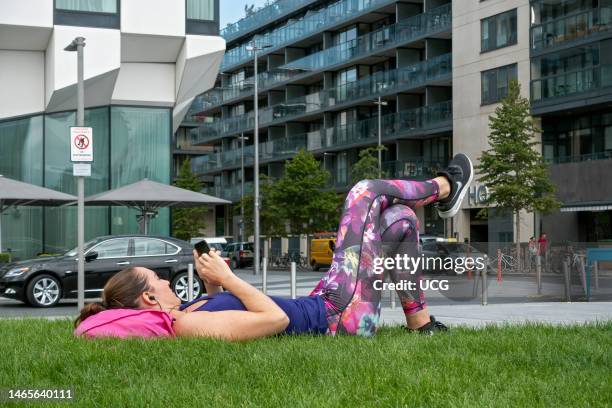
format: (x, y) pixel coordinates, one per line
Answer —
(202, 248)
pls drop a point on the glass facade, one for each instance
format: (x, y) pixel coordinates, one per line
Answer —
(21, 158)
(90, 6)
(577, 138)
(494, 83)
(141, 141)
(129, 144)
(201, 10)
(498, 31)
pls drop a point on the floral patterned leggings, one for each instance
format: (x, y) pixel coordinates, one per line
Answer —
(378, 220)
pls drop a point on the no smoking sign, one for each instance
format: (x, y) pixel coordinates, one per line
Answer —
(81, 144)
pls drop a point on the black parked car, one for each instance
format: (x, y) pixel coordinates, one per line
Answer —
(44, 281)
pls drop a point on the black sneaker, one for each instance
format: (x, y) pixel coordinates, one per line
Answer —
(428, 329)
(459, 173)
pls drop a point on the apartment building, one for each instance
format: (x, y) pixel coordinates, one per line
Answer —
(441, 67)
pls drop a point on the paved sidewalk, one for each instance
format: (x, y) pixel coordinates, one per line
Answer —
(510, 313)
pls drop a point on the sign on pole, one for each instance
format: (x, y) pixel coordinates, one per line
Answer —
(81, 169)
(81, 144)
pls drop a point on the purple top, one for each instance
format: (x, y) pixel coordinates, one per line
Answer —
(306, 314)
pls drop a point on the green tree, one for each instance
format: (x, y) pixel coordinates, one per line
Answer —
(512, 168)
(187, 222)
(301, 197)
(367, 165)
(271, 224)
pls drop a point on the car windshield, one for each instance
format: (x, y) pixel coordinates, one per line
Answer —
(458, 248)
(247, 247)
(86, 246)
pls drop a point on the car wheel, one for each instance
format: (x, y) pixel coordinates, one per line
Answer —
(234, 264)
(180, 286)
(43, 291)
(315, 266)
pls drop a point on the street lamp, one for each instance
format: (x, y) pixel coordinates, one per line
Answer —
(380, 104)
(254, 48)
(77, 45)
(242, 138)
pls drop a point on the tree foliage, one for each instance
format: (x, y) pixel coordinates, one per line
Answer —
(187, 222)
(367, 165)
(513, 168)
(297, 203)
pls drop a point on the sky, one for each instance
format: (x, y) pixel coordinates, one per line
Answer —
(233, 10)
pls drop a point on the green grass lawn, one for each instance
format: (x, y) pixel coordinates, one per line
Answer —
(517, 366)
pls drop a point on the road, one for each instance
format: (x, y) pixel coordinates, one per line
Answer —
(461, 292)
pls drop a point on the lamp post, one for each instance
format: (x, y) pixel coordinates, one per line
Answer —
(380, 104)
(254, 48)
(242, 138)
(77, 45)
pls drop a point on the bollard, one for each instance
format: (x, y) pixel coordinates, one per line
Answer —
(190, 282)
(485, 295)
(539, 274)
(392, 296)
(293, 280)
(264, 276)
(566, 277)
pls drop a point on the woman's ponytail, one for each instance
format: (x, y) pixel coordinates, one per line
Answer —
(90, 309)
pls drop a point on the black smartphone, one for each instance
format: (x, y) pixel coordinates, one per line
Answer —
(202, 247)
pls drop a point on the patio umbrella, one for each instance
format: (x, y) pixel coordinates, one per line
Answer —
(148, 196)
(13, 193)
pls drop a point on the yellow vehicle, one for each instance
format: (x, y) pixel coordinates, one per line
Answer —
(321, 252)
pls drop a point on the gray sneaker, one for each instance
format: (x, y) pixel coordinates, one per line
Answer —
(459, 173)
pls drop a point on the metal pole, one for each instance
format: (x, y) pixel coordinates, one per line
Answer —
(264, 276)
(256, 164)
(539, 273)
(596, 272)
(485, 295)
(242, 190)
(190, 282)
(379, 137)
(566, 277)
(1, 211)
(80, 121)
(293, 296)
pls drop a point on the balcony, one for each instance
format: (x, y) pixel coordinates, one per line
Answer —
(414, 168)
(416, 121)
(312, 23)
(419, 26)
(410, 29)
(262, 16)
(230, 192)
(381, 83)
(605, 155)
(570, 28)
(571, 83)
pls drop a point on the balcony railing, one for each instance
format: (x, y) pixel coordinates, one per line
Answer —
(405, 122)
(230, 192)
(415, 168)
(570, 28)
(380, 83)
(580, 157)
(421, 25)
(310, 24)
(571, 83)
(261, 16)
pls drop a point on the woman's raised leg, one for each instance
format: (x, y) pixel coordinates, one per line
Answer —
(353, 305)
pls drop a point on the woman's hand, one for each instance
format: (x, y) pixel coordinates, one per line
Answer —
(212, 268)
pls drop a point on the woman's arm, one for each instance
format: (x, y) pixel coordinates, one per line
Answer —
(262, 318)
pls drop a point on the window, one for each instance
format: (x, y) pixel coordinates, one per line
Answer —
(151, 247)
(87, 13)
(498, 31)
(201, 10)
(113, 248)
(495, 82)
(90, 6)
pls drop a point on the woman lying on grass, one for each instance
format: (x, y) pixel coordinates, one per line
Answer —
(376, 213)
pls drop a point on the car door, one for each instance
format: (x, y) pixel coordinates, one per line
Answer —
(113, 256)
(156, 254)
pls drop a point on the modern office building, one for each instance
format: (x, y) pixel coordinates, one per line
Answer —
(144, 63)
(441, 67)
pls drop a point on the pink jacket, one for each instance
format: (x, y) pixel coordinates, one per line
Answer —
(124, 323)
